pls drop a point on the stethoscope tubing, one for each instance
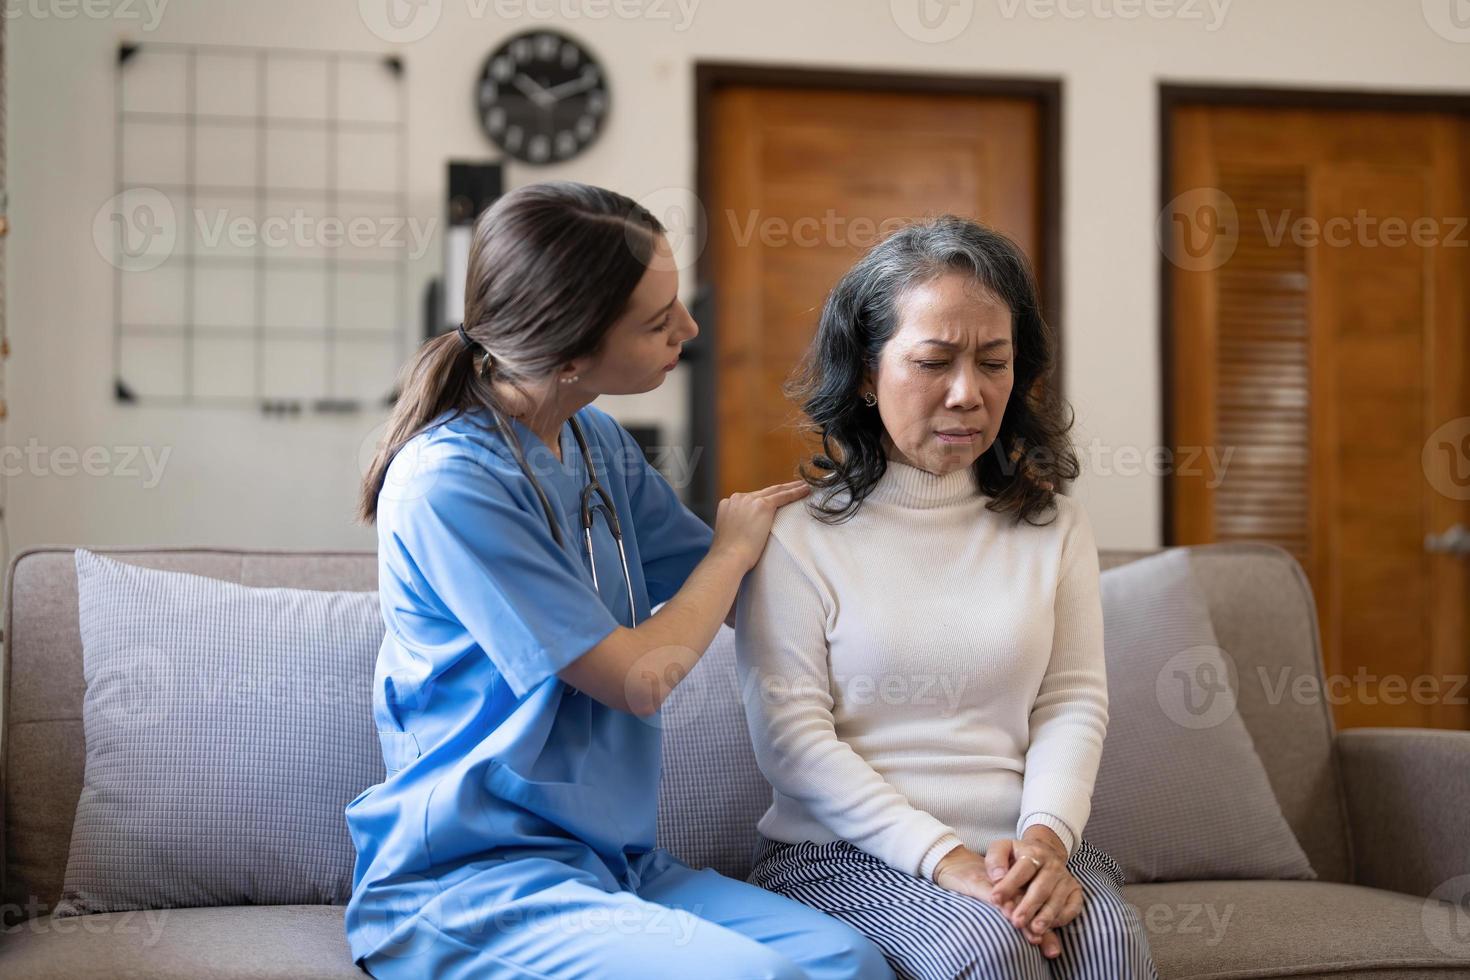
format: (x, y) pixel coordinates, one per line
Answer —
(593, 489)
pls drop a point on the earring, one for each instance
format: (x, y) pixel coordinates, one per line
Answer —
(869, 399)
(567, 381)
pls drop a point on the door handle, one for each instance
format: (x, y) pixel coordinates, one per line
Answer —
(1452, 541)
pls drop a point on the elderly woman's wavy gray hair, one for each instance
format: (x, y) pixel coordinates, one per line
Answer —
(1031, 457)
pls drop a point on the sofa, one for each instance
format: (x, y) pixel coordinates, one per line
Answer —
(1382, 814)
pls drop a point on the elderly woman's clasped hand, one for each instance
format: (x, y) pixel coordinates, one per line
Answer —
(1028, 879)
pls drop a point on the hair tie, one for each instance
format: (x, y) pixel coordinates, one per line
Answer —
(465, 338)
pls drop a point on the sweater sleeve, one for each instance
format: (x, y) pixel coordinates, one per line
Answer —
(781, 653)
(1069, 718)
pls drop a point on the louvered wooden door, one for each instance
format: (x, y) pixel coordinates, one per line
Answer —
(802, 181)
(1318, 322)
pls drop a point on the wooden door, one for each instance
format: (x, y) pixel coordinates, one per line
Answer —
(1319, 268)
(800, 182)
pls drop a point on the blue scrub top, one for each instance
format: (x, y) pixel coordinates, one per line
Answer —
(488, 753)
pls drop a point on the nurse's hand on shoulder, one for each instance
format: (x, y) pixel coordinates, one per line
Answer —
(635, 670)
(743, 520)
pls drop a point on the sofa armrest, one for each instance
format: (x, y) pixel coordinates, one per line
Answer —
(1408, 805)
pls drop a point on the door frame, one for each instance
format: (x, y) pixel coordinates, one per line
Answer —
(1173, 95)
(710, 76)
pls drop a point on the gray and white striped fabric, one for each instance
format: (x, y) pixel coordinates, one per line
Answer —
(927, 932)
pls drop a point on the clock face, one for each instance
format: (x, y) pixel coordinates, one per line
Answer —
(542, 97)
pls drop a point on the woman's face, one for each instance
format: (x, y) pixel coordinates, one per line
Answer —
(643, 345)
(945, 376)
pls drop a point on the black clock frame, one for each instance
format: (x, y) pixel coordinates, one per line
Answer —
(517, 103)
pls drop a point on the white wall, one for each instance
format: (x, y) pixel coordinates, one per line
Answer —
(237, 478)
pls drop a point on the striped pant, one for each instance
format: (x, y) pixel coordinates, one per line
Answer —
(929, 932)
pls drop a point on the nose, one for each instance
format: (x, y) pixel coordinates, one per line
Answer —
(964, 392)
(691, 329)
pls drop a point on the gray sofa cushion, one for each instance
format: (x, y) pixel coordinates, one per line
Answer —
(1248, 930)
(226, 729)
(259, 942)
(1206, 930)
(1180, 793)
(712, 792)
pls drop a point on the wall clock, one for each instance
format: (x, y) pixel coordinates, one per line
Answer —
(542, 97)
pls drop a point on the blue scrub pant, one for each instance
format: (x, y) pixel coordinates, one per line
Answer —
(537, 916)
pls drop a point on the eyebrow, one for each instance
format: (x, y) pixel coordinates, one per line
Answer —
(951, 345)
(662, 310)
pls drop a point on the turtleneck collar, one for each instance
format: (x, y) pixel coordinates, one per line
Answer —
(909, 486)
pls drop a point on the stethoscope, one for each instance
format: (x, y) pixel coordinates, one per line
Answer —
(595, 499)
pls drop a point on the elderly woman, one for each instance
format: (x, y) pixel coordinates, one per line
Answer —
(921, 643)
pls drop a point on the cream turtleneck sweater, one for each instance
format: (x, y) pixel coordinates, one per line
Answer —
(926, 674)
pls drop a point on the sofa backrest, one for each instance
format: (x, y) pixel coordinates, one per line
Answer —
(712, 792)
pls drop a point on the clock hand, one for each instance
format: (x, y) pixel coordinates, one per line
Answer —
(558, 92)
(532, 91)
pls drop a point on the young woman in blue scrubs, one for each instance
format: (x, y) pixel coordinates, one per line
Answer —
(515, 702)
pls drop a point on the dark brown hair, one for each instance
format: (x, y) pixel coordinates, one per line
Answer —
(1031, 457)
(551, 268)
